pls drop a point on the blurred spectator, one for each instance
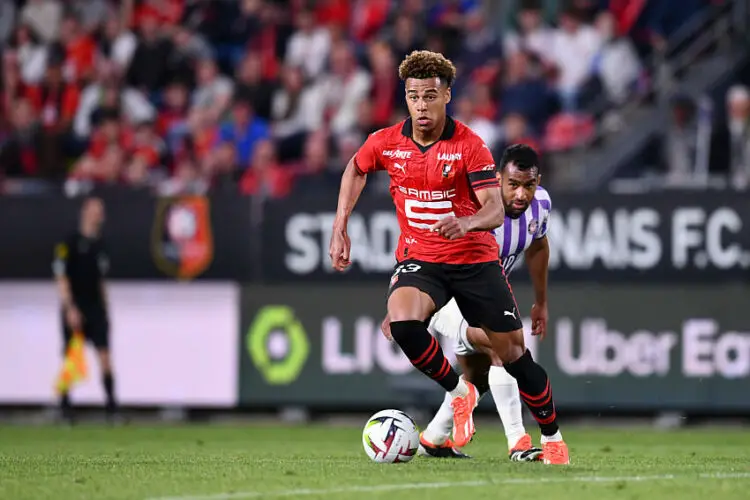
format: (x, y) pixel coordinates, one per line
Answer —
(514, 129)
(526, 94)
(188, 179)
(533, 35)
(730, 149)
(266, 177)
(573, 50)
(617, 63)
(297, 110)
(309, 46)
(481, 48)
(188, 51)
(172, 122)
(244, 130)
(680, 141)
(31, 54)
(213, 93)
(148, 70)
(80, 50)
(406, 36)
(347, 85)
(117, 43)
(91, 13)
(484, 128)
(384, 93)
(106, 90)
(252, 85)
(19, 152)
(7, 21)
(43, 16)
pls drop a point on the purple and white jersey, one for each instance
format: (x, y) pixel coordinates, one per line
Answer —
(516, 235)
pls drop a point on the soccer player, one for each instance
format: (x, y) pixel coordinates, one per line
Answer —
(524, 232)
(80, 266)
(447, 201)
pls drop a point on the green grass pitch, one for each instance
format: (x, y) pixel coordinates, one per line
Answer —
(324, 462)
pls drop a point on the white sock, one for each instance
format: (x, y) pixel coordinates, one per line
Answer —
(554, 438)
(504, 390)
(461, 389)
(441, 425)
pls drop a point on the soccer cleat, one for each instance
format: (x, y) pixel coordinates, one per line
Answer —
(525, 451)
(445, 450)
(463, 416)
(555, 453)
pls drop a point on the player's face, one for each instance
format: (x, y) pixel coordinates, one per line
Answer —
(426, 99)
(518, 187)
(93, 213)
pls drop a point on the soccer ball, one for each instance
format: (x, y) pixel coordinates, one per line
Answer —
(390, 436)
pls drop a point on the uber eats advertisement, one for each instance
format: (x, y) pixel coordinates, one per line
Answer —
(624, 347)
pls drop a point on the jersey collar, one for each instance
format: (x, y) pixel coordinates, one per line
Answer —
(448, 131)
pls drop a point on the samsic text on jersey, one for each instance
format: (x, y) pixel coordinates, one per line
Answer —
(431, 183)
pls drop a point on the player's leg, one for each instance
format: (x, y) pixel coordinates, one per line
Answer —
(507, 398)
(417, 290)
(66, 407)
(98, 334)
(476, 358)
(485, 299)
(435, 440)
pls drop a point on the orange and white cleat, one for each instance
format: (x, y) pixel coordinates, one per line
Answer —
(555, 453)
(525, 451)
(463, 416)
(444, 450)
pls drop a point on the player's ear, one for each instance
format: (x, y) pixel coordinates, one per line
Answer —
(448, 95)
(499, 176)
(539, 180)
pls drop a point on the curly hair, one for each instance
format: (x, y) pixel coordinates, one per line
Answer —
(422, 64)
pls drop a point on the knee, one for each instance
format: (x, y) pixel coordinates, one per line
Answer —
(508, 347)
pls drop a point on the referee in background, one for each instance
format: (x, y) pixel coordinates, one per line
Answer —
(79, 266)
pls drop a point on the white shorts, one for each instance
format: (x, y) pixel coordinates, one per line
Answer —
(449, 322)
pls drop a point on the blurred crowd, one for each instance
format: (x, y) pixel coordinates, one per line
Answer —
(273, 97)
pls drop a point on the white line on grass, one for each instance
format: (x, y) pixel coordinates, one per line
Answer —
(380, 488)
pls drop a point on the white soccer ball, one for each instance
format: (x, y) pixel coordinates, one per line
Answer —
(390, 436)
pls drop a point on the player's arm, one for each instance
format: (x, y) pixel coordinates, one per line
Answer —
(484, 183)
(492, 213)
(60, 270)
(537, 260)
(352, 183)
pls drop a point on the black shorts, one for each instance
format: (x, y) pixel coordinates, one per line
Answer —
(95, 327)
(481, 290)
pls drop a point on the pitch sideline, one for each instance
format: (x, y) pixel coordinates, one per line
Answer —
(455, 484)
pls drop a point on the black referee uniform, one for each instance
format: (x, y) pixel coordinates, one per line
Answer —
(82, 262)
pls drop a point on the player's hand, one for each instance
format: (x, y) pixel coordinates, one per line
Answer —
(73, 318)
(539, 319)
(385, 327)
(452, 227)
(340, 249)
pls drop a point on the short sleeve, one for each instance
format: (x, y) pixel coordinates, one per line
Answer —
(60, 259)
(480, 167)
(366, 160)
(545, 205)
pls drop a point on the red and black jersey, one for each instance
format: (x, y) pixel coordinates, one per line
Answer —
(430, 183)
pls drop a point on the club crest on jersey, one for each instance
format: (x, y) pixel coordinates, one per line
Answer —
(533, 226)
(447, 169)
